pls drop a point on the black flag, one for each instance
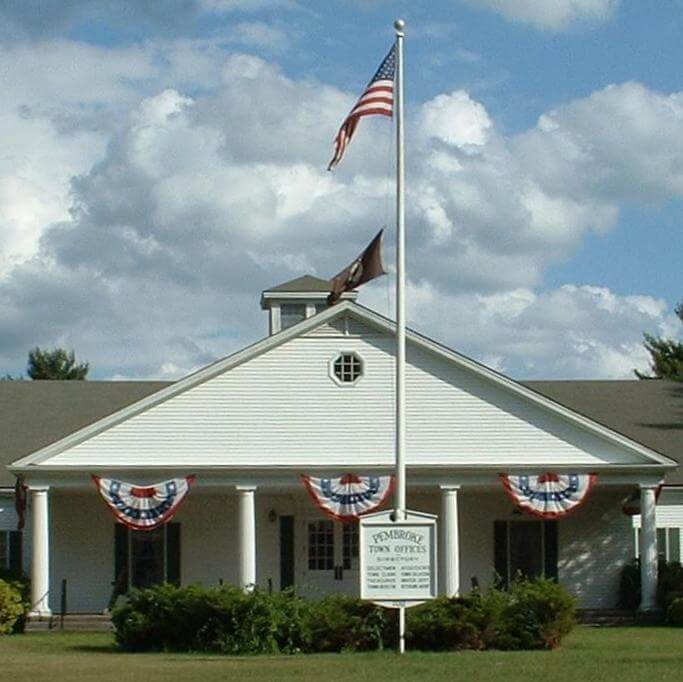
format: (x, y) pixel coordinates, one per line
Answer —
(365, 268)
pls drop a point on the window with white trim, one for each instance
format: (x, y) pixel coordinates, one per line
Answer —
(320, 545)
(347, 368)
(668, 544)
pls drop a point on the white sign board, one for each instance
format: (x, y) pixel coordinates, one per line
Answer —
(398, 558)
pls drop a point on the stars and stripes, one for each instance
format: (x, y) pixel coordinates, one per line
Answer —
(143, 507)
(349, 496)
(377, 100)
(548, 495)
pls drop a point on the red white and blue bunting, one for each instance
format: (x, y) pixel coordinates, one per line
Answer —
(143, 507)
(548, 495)
(347, 497)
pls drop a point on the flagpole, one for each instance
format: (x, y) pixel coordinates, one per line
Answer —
(400, 500)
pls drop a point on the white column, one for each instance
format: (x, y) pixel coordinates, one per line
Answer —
(247, 536)
(40, 554)
(450, 565)
(648, 548)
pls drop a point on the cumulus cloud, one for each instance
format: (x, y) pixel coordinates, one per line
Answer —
(553, 15)
(193, 201)
(572, 331)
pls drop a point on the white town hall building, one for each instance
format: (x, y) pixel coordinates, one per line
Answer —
(316, 396)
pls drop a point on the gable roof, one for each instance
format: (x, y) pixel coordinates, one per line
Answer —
(34, 414)
(372, 319)
(303, 284)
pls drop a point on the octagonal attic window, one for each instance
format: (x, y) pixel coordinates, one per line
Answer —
(347, 368)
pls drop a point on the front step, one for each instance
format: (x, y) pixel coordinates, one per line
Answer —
(616, 617)
(77, 622)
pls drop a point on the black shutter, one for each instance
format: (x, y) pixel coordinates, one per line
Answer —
(286, 552)
(500, 551)
(121, 558)
(16, 563)
(551, 549)
(173, 553)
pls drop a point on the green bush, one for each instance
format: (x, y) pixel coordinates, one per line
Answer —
(537, 615)
(12, 608)
(224, 620)
(338, 623)
(531, 615)
(674, 614)
(669, 584)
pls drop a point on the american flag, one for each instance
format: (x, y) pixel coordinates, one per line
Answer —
(378, 99)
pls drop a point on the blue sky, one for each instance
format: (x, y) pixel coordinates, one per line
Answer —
(164, 162)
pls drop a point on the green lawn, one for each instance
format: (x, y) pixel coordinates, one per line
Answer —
(623, 654)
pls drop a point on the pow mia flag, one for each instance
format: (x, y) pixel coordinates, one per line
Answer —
(366, 267)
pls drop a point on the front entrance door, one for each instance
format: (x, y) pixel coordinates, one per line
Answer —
(147, 561)
(525, 548)
(328, 562)
(145, 558)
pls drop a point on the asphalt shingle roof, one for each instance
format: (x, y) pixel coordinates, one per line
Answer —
(303, 284)
(34, 414)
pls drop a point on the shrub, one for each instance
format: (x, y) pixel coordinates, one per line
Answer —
(12, 607)
(532, 615)
(537, 615)
(629, 586)
(339, 623)
(669, 584)
(674, 614)
(225, 620)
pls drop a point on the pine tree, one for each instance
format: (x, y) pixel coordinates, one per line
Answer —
(57, 364)
(666, 356)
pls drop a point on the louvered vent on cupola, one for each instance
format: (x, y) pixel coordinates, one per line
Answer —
(294, 301)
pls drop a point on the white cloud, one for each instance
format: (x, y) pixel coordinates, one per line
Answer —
(456, 119)
(573, 331)
(553, 15)
(185, 203)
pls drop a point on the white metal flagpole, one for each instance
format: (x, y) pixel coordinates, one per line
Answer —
(400, 512)
(400, 504)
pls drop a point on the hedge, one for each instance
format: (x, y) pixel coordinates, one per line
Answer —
(533, 614)
(669, 584)
(13, 608)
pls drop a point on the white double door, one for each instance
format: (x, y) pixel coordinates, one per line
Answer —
(327, 557)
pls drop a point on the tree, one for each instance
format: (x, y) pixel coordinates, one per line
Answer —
(666, 355)
(57, 364)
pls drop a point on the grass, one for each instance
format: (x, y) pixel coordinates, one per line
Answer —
(622, 654)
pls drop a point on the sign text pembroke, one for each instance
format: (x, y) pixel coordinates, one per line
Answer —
(398, 558)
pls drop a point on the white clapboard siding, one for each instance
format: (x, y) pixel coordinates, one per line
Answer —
(283, 408)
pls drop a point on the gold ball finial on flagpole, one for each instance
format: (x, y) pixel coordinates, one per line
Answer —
(399, 25)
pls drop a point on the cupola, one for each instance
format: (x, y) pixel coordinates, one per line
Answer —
(297, 300)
